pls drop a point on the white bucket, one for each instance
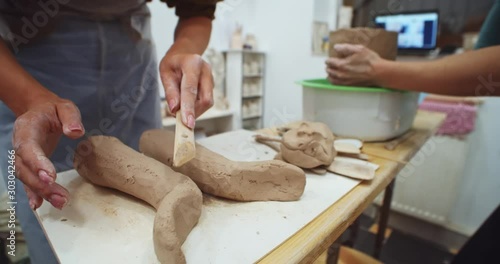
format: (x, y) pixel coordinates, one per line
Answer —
(366, 113)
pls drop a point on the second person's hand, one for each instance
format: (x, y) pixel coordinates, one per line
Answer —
(355, 66)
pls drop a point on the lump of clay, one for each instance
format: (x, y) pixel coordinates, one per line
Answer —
(308, 145)
(383, 42)
(216, 175)
(107, 162)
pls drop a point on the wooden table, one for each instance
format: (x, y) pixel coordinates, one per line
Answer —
(310, 242)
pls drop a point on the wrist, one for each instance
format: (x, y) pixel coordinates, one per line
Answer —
(184, 46)
(41, 96)
(37, 97)
(379, 72)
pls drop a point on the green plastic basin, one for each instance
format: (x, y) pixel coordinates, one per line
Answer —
(325, 84)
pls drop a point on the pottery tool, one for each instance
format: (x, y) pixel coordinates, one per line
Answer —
(354, 168)
(349, 146)
(184, 147)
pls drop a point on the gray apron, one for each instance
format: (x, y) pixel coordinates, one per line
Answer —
(109, 75)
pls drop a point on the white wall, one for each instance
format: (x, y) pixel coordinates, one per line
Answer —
(479, 193)
(163, 22)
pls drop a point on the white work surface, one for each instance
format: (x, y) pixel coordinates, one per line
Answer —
(100, 225)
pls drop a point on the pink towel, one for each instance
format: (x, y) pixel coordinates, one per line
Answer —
(460, 119)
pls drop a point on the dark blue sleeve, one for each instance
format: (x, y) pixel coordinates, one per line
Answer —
(490, 31)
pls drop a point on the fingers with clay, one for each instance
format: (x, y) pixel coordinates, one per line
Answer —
(353, 66)
(38, 175)
(188, 84)
(346, 50)
(35, 136)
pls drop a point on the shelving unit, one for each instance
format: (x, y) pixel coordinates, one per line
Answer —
(245, 87)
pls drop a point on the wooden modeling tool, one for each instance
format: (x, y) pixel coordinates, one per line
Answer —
(353, 168)
(184, 147)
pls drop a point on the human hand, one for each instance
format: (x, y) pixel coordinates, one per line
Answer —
(354, 67)
(188, 84)
(35, 136)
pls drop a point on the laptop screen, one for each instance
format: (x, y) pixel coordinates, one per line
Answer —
(417, 31)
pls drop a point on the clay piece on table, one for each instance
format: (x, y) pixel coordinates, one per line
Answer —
(319, 170)
(107, 162)
(272, 142)
(308, 146)
(341, 145)
(214, 174)
(346, 160)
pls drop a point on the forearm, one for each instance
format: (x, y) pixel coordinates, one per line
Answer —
(474, 73)
(18, 89)
(192, 35)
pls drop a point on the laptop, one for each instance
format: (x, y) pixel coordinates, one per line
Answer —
(418, 31)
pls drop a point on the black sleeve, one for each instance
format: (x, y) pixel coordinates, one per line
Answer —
(193, 8)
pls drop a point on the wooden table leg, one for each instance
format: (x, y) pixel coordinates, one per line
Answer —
(384, 219)
(353, 234)
(334, 252)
